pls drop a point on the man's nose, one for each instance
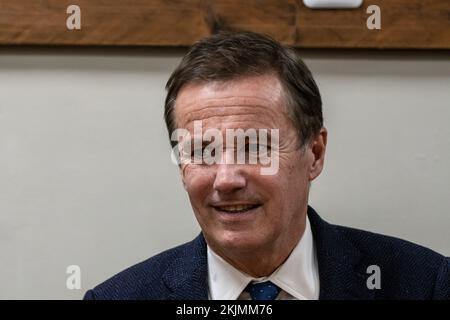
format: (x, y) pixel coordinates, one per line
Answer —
(229, 178)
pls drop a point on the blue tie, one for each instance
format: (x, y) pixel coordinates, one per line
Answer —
(263, 290)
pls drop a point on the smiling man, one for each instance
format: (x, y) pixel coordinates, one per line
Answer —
(260, 240)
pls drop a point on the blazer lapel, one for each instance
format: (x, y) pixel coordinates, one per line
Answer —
(187, 277)
(341, 265)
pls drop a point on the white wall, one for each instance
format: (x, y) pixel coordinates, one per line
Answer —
(85, 176)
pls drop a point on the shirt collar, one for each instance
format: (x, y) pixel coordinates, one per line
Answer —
(298, 275)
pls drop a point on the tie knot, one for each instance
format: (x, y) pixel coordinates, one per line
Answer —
(263, 290)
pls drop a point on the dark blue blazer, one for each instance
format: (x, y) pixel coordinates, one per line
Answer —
(408, 271)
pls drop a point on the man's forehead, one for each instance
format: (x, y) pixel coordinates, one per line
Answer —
(244, 97)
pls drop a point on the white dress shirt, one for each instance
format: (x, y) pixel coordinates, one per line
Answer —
(297, 277)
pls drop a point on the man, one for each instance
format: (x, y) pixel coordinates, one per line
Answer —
(260, 239)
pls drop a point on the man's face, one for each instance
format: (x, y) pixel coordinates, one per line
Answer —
(237, 208)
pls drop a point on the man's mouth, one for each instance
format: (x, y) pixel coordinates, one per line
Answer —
(239, 208)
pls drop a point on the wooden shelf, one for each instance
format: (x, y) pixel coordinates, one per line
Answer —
(405, 24)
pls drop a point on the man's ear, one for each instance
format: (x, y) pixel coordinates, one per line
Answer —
(318, 147)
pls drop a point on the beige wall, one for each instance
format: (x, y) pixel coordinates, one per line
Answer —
(86, 177)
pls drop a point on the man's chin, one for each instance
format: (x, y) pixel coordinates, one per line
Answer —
(240, 242)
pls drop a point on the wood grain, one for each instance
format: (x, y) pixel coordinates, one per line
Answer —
(406, 24)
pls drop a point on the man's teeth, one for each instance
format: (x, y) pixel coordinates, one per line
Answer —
(237, 208)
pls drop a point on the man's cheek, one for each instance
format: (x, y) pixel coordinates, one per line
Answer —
(197, 186)
(189, 176)
(290, 164)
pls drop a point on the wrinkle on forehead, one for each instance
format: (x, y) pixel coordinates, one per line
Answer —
(232, 114)
(245, 99)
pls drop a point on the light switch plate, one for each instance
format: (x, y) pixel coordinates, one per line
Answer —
(333, 4)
